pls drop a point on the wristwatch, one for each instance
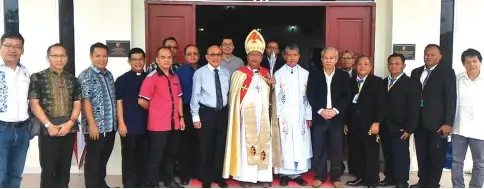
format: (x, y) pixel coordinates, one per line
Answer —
(47, 124)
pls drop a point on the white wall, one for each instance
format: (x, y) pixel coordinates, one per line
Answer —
(39, 31)
(138, 24)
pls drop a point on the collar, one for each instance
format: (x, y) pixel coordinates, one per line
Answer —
(332, 74)
(396, 78)
(254, 70)
(231, 58)
(54, 72)
(480, 76)
(137, 73)
(18, 64)
(358, 78)
(211, 68)
(160, 73)
(99, 71)
(431, 68)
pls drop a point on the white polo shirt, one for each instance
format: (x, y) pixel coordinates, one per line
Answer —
(469, 117)
(14, 88)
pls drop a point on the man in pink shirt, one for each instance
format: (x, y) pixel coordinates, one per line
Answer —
(161, 95)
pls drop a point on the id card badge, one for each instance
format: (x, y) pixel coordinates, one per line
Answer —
(355, 99)
(421, 102)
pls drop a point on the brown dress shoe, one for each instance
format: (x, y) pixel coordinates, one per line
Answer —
(317, 183)
(338, 184)
(245, 184)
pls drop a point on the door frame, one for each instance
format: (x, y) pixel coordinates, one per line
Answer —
(326, 4)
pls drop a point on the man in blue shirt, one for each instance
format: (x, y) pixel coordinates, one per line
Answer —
(210, 115)
(188, 158)
(98, 116)
(132, 120)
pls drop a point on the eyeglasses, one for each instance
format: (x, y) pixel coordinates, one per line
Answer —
(227, 44)
(191, 54)
(213, 55)
(136, 59)
(8, 46)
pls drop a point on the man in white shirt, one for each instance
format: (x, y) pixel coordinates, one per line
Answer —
(14, 130)
(467, 130)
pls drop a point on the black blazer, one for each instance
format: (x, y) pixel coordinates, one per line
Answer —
(279, 63)
(317, 94)
(402, 103)
(368, 109)
(439, 97)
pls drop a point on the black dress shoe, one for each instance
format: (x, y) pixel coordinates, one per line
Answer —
(385, 182)
(206, 185)
(418, 185)
(222, 184)
(284, 181)
(173, 184)
(184, 182)
(356, 182)
(402, 185)
(372, 185)
(299, 180)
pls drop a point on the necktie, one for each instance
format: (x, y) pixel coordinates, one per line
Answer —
(429, 71)
(218, 89)
(360, 81)
(392, 81)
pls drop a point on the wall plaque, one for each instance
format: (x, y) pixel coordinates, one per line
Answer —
(118, 48)
(408, 50)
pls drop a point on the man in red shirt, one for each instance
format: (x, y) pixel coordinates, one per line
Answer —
(161, 95)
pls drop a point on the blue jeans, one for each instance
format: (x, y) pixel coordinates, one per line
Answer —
(14, 143)
(459, 150)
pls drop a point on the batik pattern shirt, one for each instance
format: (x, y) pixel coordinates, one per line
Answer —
(98, 88)
(56, 93)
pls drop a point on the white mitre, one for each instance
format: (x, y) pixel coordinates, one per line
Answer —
(255, 42)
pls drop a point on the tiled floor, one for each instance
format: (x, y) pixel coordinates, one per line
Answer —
(77, 181)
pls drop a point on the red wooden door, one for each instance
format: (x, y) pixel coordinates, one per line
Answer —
(350, 28)
(169, 20)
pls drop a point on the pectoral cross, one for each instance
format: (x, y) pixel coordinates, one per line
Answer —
(257, 87)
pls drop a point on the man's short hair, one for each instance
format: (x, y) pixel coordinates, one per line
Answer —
(394, 55)
(97, 45)
(55, 45)
(168, 39)
(136, 51)
(12, 36)
(470, 53)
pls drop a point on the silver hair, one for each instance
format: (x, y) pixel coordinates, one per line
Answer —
(291, 47)
(327, 49)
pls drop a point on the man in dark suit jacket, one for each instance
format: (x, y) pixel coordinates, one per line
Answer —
(364, 115)
(402, 101)
(272, 47)
(328, 92)
(438, 106)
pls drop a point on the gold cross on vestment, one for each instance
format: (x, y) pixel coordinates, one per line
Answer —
(244, 87)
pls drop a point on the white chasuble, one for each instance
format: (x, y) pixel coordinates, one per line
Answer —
(293, 112)
(255, 95)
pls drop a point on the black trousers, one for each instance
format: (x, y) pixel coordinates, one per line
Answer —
(327, 138)
(431, 148)
(55, 155)
(97, 156)
(351, 163)
(188, 153)
(212, 143)
(365, 153)
(397, 157)
(134, 153)
(163, 151)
